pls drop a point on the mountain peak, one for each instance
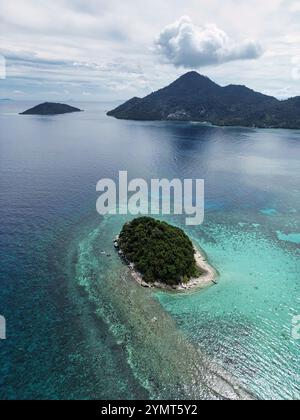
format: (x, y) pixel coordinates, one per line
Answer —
(193, 97)
(194, 80)
(193, 74)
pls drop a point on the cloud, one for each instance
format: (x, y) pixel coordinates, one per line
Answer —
(92, 46)
(32, 58)
(184, 44)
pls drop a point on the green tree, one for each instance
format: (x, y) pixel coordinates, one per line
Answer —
(160, 252)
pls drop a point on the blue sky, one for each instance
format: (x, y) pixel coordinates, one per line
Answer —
(110, 50)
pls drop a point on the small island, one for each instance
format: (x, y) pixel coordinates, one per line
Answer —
(51, 108)
(160, 255)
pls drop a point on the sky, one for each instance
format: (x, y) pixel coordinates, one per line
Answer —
(109, 50)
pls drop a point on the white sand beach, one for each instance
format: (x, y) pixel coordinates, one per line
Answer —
(207, 278)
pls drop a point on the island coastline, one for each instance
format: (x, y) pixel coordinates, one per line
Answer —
(196, 98)
(208, 277)
(51, 109)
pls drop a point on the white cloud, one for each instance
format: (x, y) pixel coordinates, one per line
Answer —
(92, 46)
(293, 6)
(185, 44)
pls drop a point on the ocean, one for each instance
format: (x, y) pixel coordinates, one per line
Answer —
(79, 327)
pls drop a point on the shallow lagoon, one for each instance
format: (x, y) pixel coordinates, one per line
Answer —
(79, 327)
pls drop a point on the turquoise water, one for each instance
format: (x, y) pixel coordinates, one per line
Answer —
(80, 327)
(247, 317)
(291, 237)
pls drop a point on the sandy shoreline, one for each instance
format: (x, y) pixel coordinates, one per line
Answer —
(207, 278)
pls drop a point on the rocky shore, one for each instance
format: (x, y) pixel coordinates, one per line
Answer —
(207, 278)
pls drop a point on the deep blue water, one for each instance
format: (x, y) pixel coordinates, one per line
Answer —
(71, 333)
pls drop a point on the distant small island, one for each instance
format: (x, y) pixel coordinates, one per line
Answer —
(50, 108)
(194, 97)
(163, 256)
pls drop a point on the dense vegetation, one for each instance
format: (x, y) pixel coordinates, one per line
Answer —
(193, 97)
(50, 108)
(159, 251)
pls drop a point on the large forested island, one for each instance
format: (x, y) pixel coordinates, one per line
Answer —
(194, 97)
(51, 108)
(162, 255)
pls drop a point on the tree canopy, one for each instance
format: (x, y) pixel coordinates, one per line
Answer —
(159, 251)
